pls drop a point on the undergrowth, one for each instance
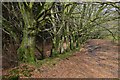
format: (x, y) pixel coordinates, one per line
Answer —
(51, 61)
(25, 70)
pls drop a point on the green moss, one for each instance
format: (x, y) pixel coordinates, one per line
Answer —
(13, 75)
(10, 77)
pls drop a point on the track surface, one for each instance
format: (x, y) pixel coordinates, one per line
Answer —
(97, 59)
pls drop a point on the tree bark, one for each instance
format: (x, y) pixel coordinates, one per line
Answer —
(26, 50)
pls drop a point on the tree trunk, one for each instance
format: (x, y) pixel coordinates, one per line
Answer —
(43, 49)
(26, 50)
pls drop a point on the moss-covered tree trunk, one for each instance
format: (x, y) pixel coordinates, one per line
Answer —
(27, 47)
(26, 50)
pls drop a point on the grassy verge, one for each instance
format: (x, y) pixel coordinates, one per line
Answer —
(51, 61)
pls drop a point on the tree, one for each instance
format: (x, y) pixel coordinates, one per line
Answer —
(70, 23)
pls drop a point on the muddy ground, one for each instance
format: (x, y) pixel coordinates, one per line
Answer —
(97, 59)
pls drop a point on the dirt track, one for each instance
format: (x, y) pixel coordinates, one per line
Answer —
(97, 59)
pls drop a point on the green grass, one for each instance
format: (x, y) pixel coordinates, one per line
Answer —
(10, 77)
(51, 61)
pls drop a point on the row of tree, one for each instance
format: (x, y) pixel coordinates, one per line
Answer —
(68, 25)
